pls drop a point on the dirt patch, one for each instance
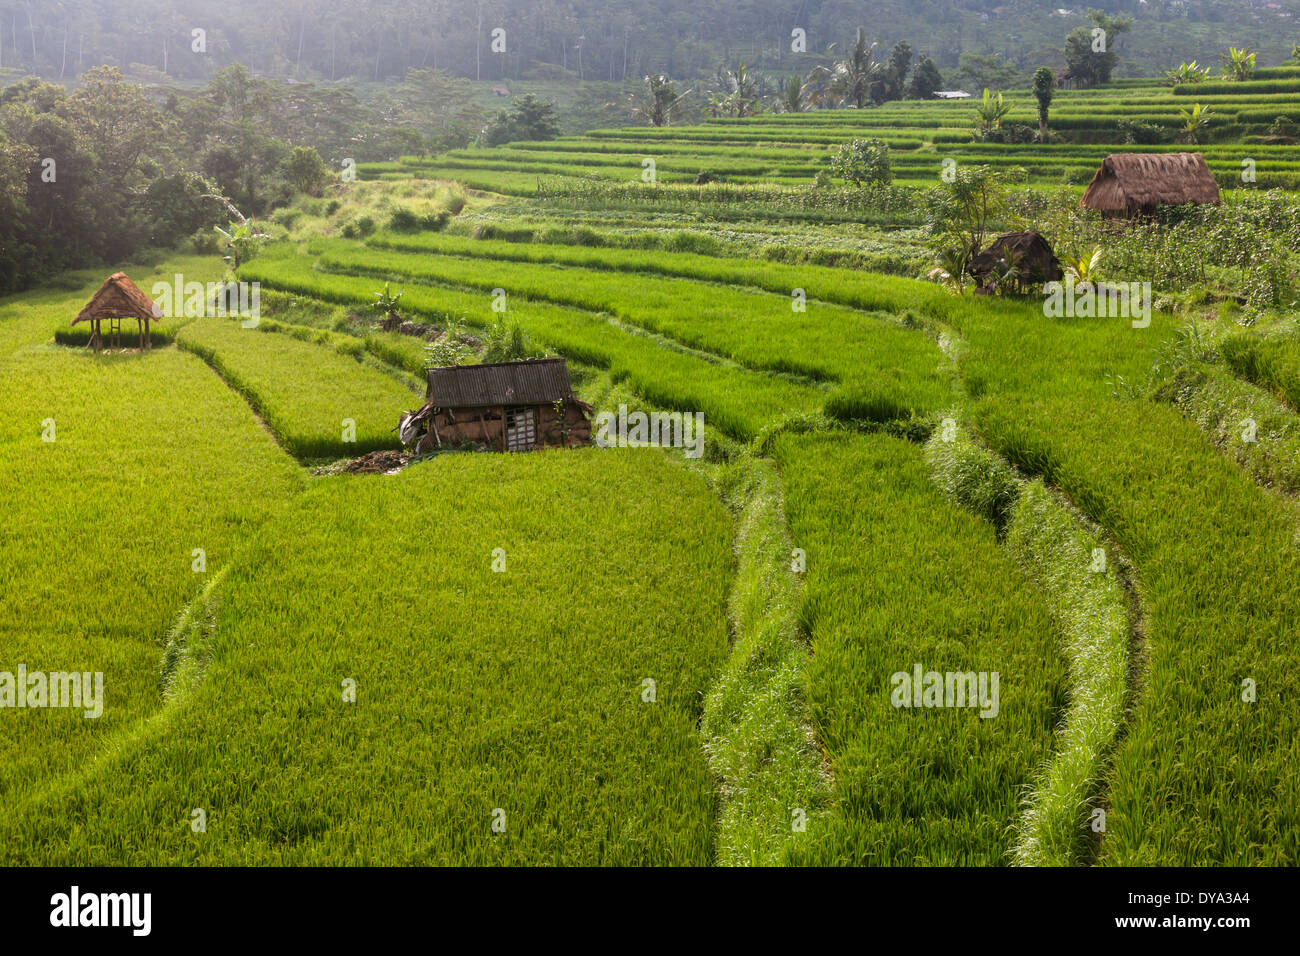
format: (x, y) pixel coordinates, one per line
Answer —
(377, 463)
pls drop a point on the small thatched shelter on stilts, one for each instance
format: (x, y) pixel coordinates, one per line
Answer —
(117, 299)
(1135, 184)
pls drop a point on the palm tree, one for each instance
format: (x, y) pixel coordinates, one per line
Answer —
(990, 110)
(660, 103)
(1085, 266)
(851, 79)
(793, 98)
(739, 93)
(1238, 64)
(1196, 122)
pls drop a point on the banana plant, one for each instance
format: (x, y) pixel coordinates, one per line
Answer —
(991, 110)
(1238, 64)
(243, 242)
(1195, 123)
(1187, 73)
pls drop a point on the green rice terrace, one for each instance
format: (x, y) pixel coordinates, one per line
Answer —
(955, 577)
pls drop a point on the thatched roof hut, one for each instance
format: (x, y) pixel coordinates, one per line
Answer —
(1027, 253)
(117, 299)
(1131, 184)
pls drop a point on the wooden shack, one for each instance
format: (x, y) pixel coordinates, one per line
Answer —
(117, 299)
(1135, 184)
(506, 406)
(1026, 256)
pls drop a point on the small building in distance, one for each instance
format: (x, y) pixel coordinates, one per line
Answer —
(506, 406)
(117, 299)
(1026, 257)
(1136, 184)
(951, 95)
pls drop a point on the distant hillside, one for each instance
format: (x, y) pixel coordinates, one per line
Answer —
(589, 40)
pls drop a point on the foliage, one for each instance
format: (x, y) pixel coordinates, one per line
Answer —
(450, 348)
(926, 79)
(385, 302)
(243, 242)
(987, 70)
(961, 211)
(1196, 122)
(660, 103)
(307, 172)
(735, 93)
(1090, 53)
(1044, 86)
(1137, 132)
(508, 341)
(1238, 64)
(1187, 73)
(528, 119)
(991, 110)
(862, 162)
(851, 79)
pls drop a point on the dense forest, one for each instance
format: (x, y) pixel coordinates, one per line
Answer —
(110, 167)
(584, 40)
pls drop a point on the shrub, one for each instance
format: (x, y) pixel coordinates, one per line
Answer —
(1138, 133)
(358, 228)
(408, 220)
(863, 161)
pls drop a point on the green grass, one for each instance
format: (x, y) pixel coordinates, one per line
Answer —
(1271, 362)
(153, 458)
(896, 577)
(1201, 776)
(1090, 608)
(737, 401)
(475, 690)
(307, 393)
(884, 371)
(756, 727)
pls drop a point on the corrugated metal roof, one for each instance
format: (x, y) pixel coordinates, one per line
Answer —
(535, 382)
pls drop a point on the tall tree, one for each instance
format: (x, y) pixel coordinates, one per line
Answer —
(851, 78)
(1044, 85)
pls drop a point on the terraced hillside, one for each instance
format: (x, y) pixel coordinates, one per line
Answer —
(627, 656)
(791, 148)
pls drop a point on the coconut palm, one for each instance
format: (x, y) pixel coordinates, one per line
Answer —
(738, 93)
(793, 97)
(850, 80)
(660, 103)
(1083, 267)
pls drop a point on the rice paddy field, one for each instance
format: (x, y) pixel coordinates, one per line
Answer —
(791, 148)
(954, 582)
